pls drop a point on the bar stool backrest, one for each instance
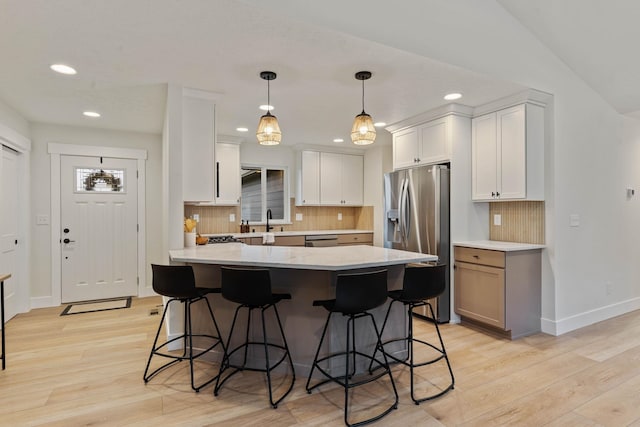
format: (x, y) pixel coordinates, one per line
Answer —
(174, 281)
(359, 292)
(422, 283)
(247, 286)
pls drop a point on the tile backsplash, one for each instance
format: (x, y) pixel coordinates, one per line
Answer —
(522, 221)
(215, 219)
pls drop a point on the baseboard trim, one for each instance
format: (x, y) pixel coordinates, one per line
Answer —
(42, 302)
(590, 317)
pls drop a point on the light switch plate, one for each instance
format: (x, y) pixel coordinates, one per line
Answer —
(298, 217)
(497, 219)
(232, 217)
(196, 217)
(574, 220)
(42, 219)
(339, 216)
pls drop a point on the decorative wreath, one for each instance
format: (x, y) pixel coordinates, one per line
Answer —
(91, 180)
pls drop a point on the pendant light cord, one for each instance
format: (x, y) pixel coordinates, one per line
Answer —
(362, 96)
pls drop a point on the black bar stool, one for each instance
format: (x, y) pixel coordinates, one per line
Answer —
(177, 282)
(251, 289)
(419, 285)
(355, 295)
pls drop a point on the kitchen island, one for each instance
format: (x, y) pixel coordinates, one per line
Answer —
(308, 274)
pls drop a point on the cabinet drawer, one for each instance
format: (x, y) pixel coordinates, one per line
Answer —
(281, 241)
(355, 239)
(479, 256)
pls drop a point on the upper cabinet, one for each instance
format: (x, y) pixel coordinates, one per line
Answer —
(227, 173)
(210, 170)
(341, 179)
(507, 154)
(308, 189)
(331, 179)
(198, 139)
(426, 143)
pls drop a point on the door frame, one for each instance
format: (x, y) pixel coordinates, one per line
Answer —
(22, 145)
(56, 150)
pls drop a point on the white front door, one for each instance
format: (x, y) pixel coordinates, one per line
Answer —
(99, 200)
(9, 228)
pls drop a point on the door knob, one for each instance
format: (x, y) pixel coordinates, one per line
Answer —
(68, 241)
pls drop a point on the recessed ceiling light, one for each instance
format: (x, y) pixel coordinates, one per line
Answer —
(91, 114)
(242, 129)
(63, 69)
(452, 96)
(338, 140)
(266, 107)
(379, 124)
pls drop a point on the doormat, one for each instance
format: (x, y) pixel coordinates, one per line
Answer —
(98, 305)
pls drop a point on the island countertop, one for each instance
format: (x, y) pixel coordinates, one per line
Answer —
(306, 258)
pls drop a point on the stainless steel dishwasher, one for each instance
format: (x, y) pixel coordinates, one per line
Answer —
(321, 240)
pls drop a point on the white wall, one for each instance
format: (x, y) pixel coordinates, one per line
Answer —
(42, 134)
(588, 160)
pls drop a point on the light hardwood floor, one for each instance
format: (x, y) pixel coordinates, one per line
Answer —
(86, 369)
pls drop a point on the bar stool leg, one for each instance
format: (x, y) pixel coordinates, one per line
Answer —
(315, 359)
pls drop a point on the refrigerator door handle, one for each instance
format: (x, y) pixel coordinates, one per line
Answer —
(401, 212)
(404, 206)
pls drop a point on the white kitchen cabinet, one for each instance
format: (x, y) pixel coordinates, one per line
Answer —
(227, 173)
(341, 179)
(507, 148)
(308, 189)
(423, 144)
(210, 169)
(198, 139)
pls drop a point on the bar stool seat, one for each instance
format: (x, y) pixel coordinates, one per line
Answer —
(355, 295)
(251, 289)
(419, 285)
(177, 282)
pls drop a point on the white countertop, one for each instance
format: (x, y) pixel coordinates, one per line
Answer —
(261, 231)
(496, 245)
(306, 258)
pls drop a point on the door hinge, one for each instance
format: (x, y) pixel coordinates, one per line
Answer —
(138, 280)
(137, 228)
(137, 175)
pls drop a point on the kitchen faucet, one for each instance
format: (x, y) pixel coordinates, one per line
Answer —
(269, 216)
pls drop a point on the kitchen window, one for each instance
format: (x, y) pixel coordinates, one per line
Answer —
(264, 188)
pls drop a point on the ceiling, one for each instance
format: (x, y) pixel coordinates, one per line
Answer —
(127, 51)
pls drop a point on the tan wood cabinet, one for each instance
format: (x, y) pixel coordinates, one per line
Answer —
(499, 290)
(355, 239)
(280, 241)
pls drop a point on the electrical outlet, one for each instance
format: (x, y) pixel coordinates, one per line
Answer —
(339, 216)
(196, 217)
(574, 220)
(298, 217)
(608, 288)
(232, 217)
(497, 219)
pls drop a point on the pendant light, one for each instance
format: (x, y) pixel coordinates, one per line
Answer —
(363, 132)
(268, 132)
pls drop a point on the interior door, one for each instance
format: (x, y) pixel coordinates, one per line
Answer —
(99, 228)
(9, 229)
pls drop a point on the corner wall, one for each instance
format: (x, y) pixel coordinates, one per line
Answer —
(42, 134)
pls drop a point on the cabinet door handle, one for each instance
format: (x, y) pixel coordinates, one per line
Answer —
(476, 256)
(217, 179)
(497, 194)
(493, 194)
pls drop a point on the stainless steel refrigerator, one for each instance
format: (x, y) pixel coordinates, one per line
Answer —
(417, 218)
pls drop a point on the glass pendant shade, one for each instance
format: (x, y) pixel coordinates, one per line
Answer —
(363, 132)
(268, 132)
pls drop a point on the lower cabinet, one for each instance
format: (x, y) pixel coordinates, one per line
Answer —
(355, 239)
(499, 290)
(280, 241)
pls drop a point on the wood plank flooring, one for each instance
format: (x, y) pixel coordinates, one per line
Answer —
(86, 369)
